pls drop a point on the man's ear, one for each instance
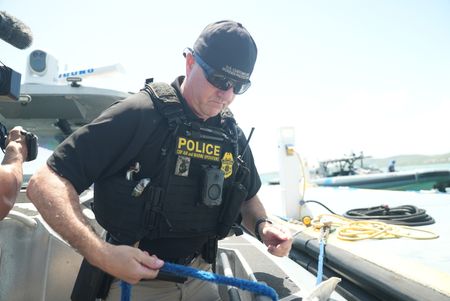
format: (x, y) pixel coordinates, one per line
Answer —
(190, 61)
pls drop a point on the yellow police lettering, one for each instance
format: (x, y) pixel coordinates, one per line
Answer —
(181, 142)
(209, 148)
(216, 150)
(190, 145)
(198, 149)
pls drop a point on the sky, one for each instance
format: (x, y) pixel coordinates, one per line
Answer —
(346, 76)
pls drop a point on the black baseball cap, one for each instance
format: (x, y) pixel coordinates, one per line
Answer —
(229, 48)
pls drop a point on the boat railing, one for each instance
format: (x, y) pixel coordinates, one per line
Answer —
(24, 219)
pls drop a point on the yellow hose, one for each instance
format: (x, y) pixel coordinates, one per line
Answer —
(351, 230)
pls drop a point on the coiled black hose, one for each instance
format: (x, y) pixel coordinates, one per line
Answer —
(407, 215)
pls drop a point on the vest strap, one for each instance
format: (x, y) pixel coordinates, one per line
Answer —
(166, 101)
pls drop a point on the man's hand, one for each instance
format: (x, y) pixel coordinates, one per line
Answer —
(277, 238)
(130, 264)
(18, 141)
(11, 170)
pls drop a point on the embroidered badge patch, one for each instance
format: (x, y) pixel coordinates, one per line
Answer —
(198, 149)
(182, 166)
(227, 164)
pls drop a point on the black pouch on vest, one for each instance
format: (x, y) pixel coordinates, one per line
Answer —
(230, 211)
(120, 213)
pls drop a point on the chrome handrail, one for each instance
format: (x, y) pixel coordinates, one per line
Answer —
(26, 220)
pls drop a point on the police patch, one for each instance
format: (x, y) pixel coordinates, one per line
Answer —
(198, 149)
(227, 164)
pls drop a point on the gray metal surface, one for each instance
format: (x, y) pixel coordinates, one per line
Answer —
(291, 281)
(35, 264)
(80, 104)
(263, 268)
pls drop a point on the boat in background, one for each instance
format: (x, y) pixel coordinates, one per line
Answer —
(400, 180)
(346, 172)
(345, 166)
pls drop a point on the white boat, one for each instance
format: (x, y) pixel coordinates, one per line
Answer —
(345, 172)
(401, 180)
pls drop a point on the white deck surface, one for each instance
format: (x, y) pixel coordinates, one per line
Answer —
(431, 254)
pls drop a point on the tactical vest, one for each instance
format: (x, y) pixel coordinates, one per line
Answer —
(198, 191)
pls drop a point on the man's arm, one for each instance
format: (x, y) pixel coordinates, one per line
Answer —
(11, 170)
(58, 203)
(277, 238)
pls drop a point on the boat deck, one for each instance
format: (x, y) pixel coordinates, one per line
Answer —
(279, 273)
(290, 281)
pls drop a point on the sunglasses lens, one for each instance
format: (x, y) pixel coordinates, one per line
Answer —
(241, 88)
(220, 81)
(223, 83)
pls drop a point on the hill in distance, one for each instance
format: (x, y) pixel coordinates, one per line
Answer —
(407, 160)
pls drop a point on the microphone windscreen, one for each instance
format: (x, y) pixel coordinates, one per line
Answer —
(14, 32)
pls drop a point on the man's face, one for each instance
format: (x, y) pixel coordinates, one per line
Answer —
(204, 99)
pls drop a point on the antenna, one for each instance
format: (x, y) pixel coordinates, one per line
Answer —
(248, 141)
(91, 72)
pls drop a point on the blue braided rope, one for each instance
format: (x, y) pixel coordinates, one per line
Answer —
(125, 291)
(320, 263)
(186, 271)
(247, 285)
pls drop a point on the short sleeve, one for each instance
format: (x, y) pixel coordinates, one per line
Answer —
(107, 144)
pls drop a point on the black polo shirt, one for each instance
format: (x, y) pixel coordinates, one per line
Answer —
(129, 129)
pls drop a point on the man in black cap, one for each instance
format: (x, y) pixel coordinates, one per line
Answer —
(172, 173)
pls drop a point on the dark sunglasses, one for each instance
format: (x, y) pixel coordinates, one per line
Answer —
(218, 80)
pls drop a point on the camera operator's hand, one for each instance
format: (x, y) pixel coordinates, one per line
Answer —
(11, 172)
(17, 141)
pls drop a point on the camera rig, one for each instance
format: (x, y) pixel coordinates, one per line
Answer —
(30, 139)
(9, 83)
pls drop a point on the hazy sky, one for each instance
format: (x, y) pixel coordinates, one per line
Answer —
(350, 76)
